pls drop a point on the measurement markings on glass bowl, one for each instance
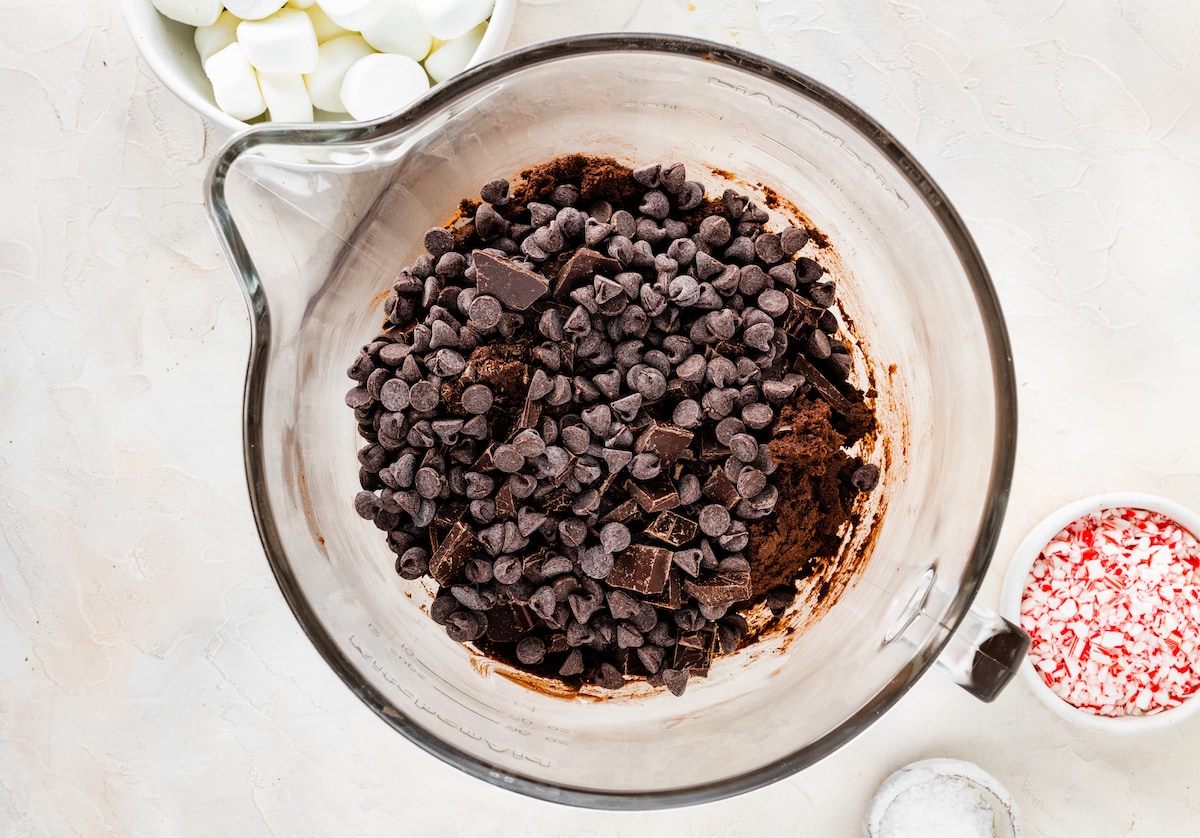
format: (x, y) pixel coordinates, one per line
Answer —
(503, 750)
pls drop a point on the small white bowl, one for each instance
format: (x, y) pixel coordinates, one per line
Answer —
(169, 50)
(1006, 818)
(1014, 587)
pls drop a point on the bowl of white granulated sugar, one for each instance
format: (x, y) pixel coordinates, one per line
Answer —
(942, 798)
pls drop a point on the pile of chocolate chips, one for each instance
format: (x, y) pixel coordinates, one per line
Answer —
(567, 415)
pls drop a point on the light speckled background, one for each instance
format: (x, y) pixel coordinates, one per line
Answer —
(154, 682)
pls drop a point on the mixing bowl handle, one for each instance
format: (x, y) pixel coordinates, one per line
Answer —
(984, 653)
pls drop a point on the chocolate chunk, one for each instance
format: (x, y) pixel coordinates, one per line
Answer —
(666, 440)
(823, 385)
(720, 488)
(671, 597)
(722, 589)
(506, 507)
(653, 495)
(621, 513)
(580, 269)
(530, 413)
(641, 568)
(516, 287)
(694, 651)
(673, 529)
(509, 622)
(458, 546)
(448, 514)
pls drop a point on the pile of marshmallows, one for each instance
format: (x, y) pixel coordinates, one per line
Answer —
(365, 58)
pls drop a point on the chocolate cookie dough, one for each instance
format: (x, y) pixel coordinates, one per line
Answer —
(608, 415)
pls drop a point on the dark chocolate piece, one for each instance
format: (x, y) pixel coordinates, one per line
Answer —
(580, 269)
(530, 414)
(822, 385)
(458, 546)
(671, 597)
(720, 488)
(664, 439)
(722, 589)
(558, 499)
(516, 287)
(672, 529)
(508, 622)
(622, 512)
(506, 506)
(641, 568)
(694, 652)
(653, 495)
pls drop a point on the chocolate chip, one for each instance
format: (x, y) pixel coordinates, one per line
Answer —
(823, 293)
(572, 531)
(757, 416)
(650, 384)
(690, 196)
(495, 192)
(687, 414)
(576, 439)
(614, 537)
(675, 680)
(865, 478)
(507, 458)
(608, 677)
(792, 239)
(672, 177)
(531, 650)
(645, 466)
(817, 345)
(769, 248)
(438, 241)
(655, 204)
(684, 291)
(744, 447)
(647, 175)
(465, 626)
(714, 520)
(596, 563)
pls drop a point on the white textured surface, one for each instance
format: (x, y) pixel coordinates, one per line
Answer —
(154, 682)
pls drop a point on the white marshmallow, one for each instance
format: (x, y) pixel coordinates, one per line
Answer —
(191, 12)
(234, 83)
(447, 19)
(285, 42)
(286, 97)
(213, 38)
(376, 85)
(453, 56)
(325, 28)
(398, 29)
(353, 14)
(334, 58)
(254, 9)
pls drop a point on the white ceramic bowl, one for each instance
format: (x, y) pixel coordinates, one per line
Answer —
(169, 51)
(1014, 587)
(1006, 817)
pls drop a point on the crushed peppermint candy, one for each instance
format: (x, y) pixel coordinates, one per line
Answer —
(1112, 605)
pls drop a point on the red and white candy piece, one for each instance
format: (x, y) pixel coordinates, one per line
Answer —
(1112, 606)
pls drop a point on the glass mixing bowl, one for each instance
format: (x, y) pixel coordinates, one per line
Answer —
(317, 222)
